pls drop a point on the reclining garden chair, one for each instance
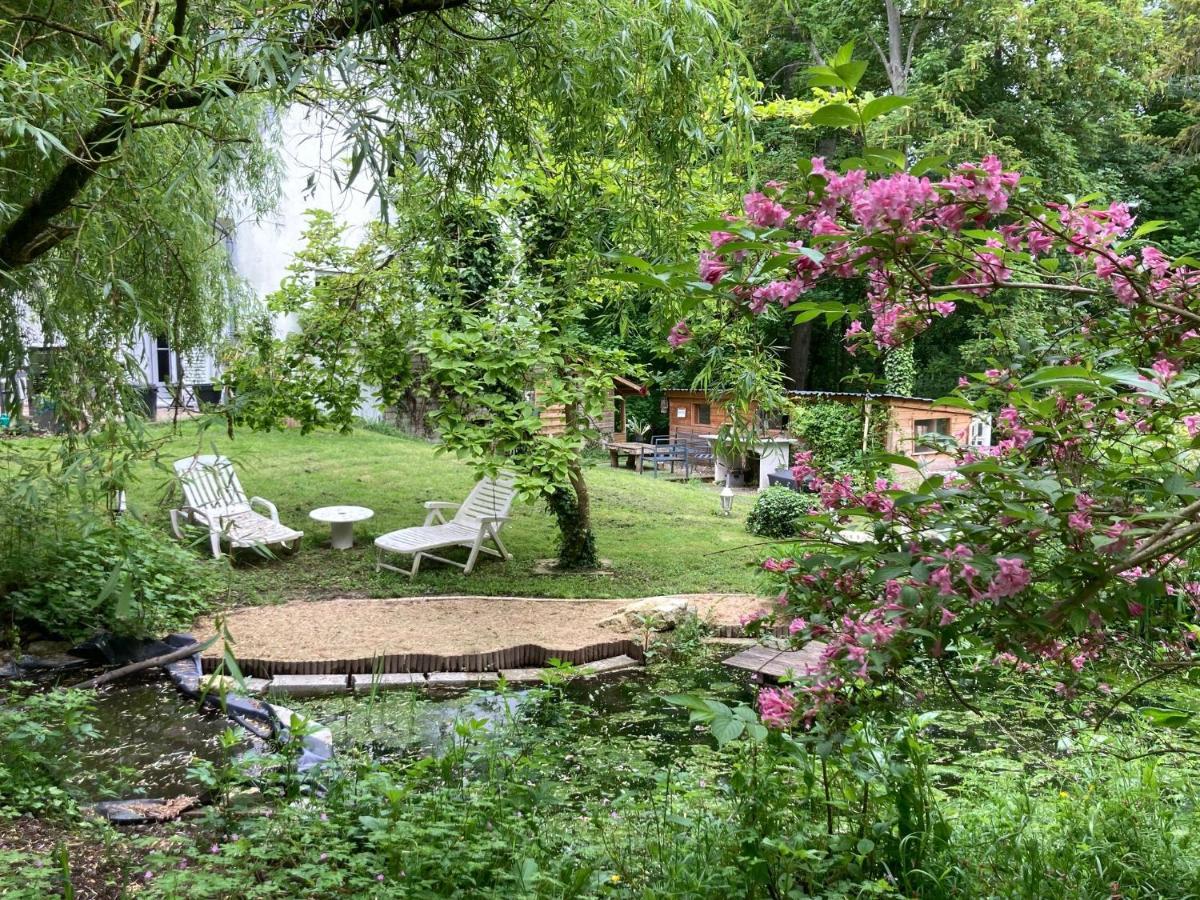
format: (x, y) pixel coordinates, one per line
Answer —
(214, 498)
(477, 520)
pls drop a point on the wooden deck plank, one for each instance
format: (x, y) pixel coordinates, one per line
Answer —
(770, 664)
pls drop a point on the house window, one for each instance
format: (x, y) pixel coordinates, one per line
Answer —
(162, 358)
(703, 414)
(924, 428)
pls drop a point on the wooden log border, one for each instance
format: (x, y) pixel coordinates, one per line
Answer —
(522, 656)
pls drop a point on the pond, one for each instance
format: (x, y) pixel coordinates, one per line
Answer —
(148, 737)
(408, 723)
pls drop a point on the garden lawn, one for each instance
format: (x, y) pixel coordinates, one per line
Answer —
(659, 537)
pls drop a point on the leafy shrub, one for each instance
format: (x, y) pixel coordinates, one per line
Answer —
(776, 510)
(832, 431)
(36, 734)
(125, 578)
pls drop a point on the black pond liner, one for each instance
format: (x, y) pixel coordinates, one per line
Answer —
(266, 721)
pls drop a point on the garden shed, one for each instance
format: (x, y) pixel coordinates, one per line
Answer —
(611, 424)
(692, 414)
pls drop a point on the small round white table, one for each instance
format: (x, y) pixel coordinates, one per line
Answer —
(341, 521)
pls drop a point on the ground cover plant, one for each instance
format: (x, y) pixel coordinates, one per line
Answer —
(593, 789)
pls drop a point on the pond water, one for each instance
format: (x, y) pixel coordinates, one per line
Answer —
(148, 735)
(410, 723)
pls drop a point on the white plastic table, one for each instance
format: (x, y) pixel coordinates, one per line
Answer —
(341, 521)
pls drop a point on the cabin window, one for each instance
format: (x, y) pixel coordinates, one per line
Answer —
(923, 428)
(703, 414)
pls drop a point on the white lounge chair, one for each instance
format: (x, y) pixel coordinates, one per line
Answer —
(477, 520)
(214, 499)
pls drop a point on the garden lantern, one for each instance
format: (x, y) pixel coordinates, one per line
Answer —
(726, 498)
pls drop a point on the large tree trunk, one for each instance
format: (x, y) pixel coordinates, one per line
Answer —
(897, 59)
(799, 353)
(573, 510)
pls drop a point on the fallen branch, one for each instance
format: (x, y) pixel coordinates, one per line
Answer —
(163, 660)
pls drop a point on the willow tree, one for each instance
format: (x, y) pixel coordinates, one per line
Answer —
(125, 129)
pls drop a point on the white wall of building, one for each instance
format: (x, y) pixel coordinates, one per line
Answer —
(262, 248)
(311, 153)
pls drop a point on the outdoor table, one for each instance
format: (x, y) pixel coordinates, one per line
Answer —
(341, 521)
(633, 451)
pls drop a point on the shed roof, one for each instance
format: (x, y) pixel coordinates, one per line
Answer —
(848, 394)
(625, 387)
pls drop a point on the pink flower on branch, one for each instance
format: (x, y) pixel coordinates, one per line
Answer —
(764, 212)
(712, 268)
(680, 334)
(775, 706)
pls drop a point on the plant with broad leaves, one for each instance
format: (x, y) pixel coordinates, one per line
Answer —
(1069, 541)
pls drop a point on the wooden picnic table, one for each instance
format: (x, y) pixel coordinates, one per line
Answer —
(633, 452)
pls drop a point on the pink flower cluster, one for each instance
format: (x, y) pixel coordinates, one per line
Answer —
(854, 225)
(776, 706)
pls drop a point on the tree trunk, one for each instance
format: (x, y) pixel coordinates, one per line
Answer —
(897, 60)
(573, 510)
(798, 355)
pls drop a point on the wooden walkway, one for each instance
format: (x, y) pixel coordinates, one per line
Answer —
(769, 664)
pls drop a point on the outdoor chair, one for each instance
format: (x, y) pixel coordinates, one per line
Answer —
(214, 499)
(477, 521)
(668, 455)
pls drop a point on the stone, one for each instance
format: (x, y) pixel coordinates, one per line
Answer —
(364, 684)
(612, 664)
(458, 679)
(218, 683)
(257, 687)
(56, 661)
(521, 675)
(655, 613)
(309, 685)
(134, 812)
(254, 687)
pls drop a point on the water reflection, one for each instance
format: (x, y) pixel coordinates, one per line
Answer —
(148, 735)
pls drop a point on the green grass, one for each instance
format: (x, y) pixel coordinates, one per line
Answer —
(661, 537)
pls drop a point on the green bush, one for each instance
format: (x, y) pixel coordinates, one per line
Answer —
(125, 578)
(36, 736)
(776, 510)
(832, 431)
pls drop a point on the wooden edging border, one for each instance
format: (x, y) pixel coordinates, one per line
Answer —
(521, 656)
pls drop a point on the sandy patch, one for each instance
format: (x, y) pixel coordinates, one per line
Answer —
(445, 626)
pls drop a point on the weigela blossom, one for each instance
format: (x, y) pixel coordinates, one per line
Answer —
(775, 706)
(680, 334)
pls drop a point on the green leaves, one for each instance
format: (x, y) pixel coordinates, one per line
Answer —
(881, 106)
(726, 725)
(836, 115)
(1165, 716)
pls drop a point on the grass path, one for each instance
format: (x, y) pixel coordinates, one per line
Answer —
(661, 537)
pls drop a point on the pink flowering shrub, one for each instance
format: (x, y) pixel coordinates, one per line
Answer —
(1071, 537)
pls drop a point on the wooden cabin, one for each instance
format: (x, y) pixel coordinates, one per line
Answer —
(611, 424)
(692, 413)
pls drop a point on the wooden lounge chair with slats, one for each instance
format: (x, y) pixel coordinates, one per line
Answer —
(477, 521)
(214, 499)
